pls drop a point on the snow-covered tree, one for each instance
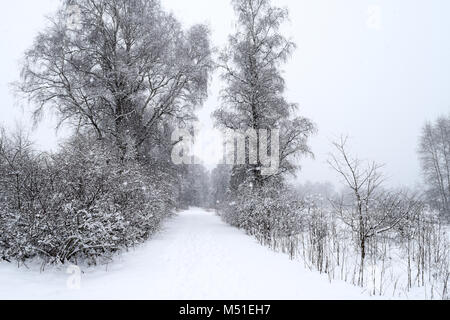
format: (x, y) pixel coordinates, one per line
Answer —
(119, 69)
(434, 151)
(83, 202)
(220, 185)
(124, 73)
(253, 96)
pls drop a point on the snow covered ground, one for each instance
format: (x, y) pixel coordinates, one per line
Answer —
(196, 256)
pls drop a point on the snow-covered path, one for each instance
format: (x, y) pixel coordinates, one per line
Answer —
(196, 256)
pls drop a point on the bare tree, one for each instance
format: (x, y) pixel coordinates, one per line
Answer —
(368, 210)
(434, 152)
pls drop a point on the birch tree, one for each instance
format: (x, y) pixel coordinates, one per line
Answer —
(253, 96)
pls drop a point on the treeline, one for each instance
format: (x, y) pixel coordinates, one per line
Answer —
(123, 74)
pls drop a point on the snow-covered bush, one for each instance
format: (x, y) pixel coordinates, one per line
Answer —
(265, 212)
(84, 202)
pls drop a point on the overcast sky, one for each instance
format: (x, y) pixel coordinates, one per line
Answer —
(373, 70)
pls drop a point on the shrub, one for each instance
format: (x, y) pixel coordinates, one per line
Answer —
(84, 202)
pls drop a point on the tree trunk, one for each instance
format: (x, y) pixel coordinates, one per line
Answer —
(363, 257)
